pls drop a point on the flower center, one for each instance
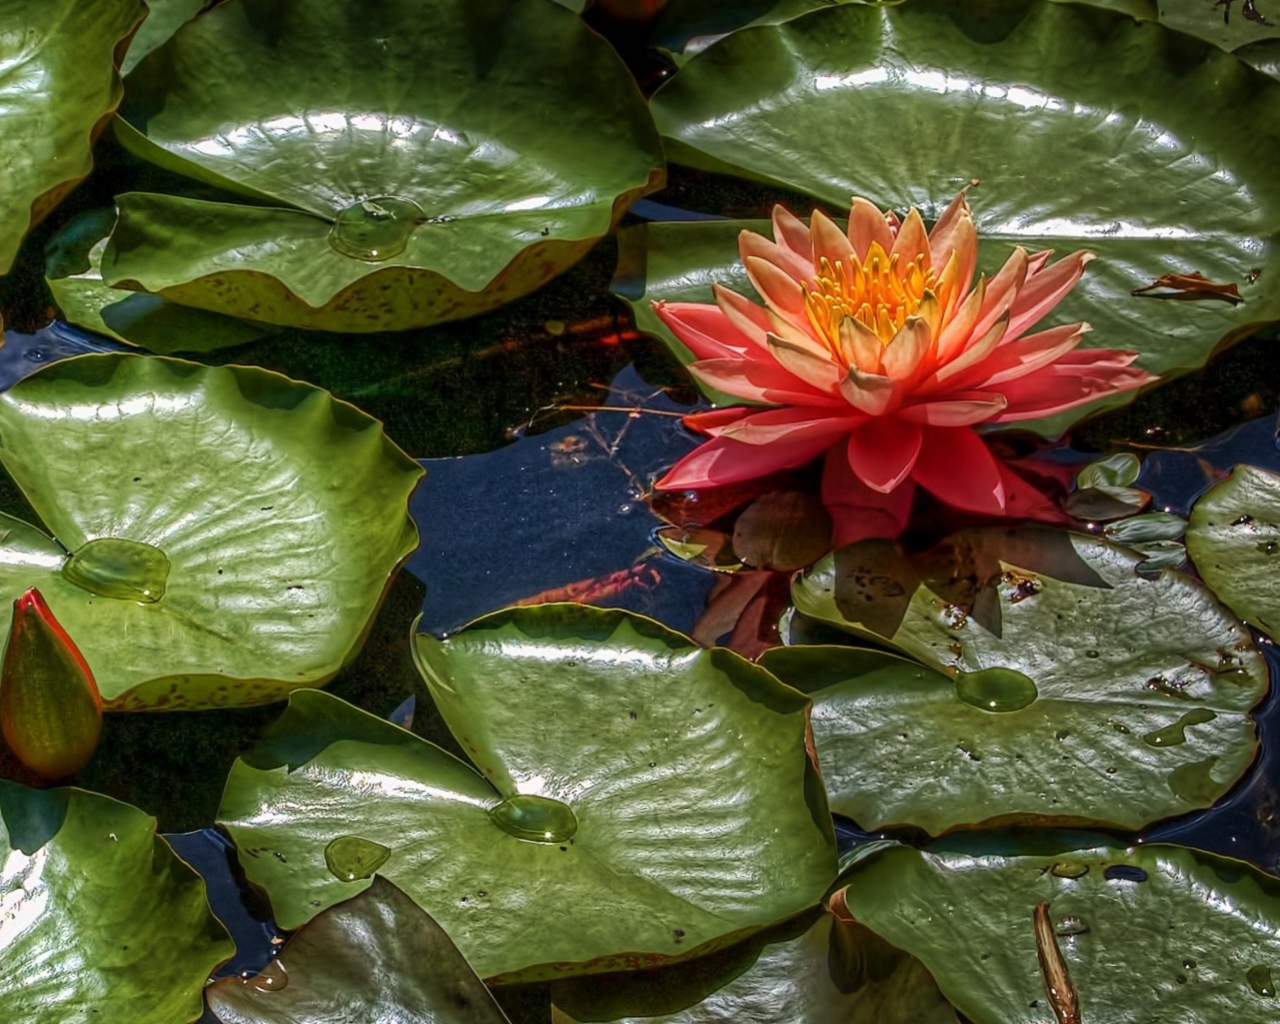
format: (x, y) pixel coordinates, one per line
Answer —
(880, 292)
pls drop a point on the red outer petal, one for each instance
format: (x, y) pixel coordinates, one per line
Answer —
(726, 461)
(33, 602)
(955, 466)
(858, 512)
(883, 451)
(703, 329)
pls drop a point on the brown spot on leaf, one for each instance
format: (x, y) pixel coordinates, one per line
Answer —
(1189, 288)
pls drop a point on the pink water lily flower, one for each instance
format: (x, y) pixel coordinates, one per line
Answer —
(876, 347)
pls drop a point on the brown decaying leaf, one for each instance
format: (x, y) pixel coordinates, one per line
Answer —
(1057, 980)
(1190, 287)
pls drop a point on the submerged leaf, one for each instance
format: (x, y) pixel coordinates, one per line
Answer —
(375, 958)
(636, 800)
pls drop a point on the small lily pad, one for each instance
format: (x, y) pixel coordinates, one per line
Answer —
(1085, 128)
(58, 87)
(638, 800)
(376, 957)
(1234, 540)
(814, 969)
(100, 916)
(1151, 932)
(1096, 696)
(73, 269)
(220, 536)
(403, 186)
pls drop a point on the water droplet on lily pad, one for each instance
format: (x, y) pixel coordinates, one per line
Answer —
(351, 858)
(1069, 927)
(375, 229)
(996, 689)
(1259, 978)
(127, 570)
(535, 819)
(1069, 869)
(1193, 782)
(1175, 734)
(272, 978)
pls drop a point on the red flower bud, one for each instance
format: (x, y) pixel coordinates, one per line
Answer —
(50, 708)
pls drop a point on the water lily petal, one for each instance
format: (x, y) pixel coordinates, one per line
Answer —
(1001, 291)
(858, 512)
(748, 317)
(723, 460)
(977, 351)
(906, 348)
(754, 380)
(956, 332)
(866, 225)
(808, 360)
(1069, 382)
(1044, 290)
(703, 329)
(860, 345)
(871, 393)
(795, 266)
(710, 421)
(781, 292)
(1029, 353)
(912, 241)
(958, 410)
(955, 233)
(883, 451)
(829, 242)
(955, 466)
(793, 423)
(791, 231)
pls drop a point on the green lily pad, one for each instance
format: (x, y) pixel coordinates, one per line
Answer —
(639, 800)
(1224, 24)
(377, 958)
(73, 268)
(1087, 130)
(813, 969)
(220, 536)
(100, 916)
(1194, 941)
(58, 87)
(1059, 685)
(408, 182)
(164, 18)
(1234, 538)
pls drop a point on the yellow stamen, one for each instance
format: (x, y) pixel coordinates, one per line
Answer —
(878, 291)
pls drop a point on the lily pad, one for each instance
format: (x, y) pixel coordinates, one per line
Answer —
(1225, 24)
(377, 958)
(1086, 129)
(101, 918)
(220, 536)
(164, 18)
(73, 268)
(638, 801)
(814, 969)
(1234, 539)
(58, 87)
(1147, 933)
(1059, 685)
(406, 179)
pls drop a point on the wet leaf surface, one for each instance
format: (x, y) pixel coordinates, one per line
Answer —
(375, 957)
(1116, 702)
(1145, 933)
(638, 800)
(441, 203)
(100, 917)
(205, 555)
